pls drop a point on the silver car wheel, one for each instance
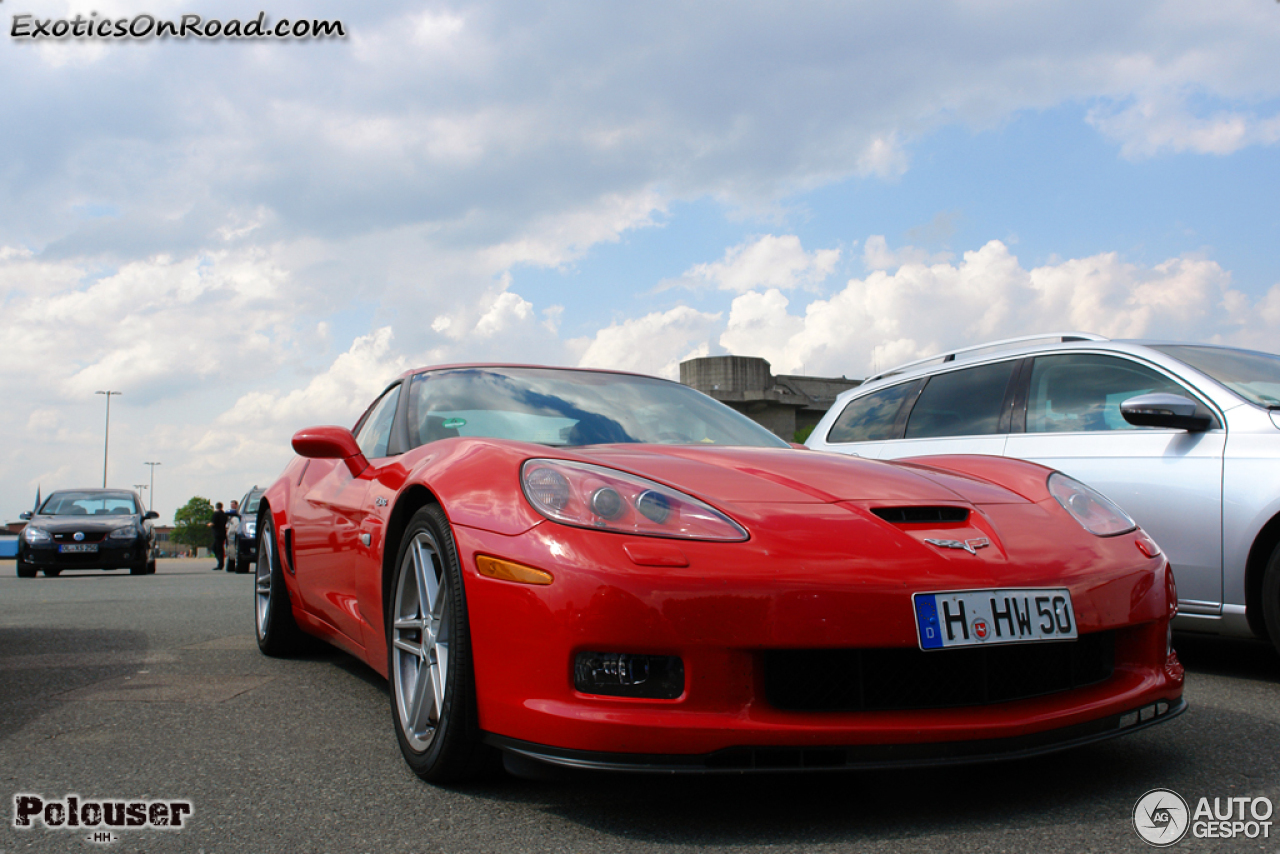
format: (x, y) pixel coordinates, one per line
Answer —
(420, 635)
(262, 584)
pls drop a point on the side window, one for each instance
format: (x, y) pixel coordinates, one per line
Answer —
(961, 403)
(872, 418)
(375, 432)
(1080, 392)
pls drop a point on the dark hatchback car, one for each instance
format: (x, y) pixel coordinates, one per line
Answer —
(242, 534)
(88, 529)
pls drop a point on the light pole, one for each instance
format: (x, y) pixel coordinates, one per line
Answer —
(140, 487)
(151, 502)
(106, 439)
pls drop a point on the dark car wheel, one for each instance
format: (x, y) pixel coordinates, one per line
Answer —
(139, 568)
(231, 565)
(1271, 598)
(278, 632)
(25, 570)
(51, 572)
(433, 700)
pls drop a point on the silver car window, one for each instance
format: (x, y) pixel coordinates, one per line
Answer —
(961, 403)
(1082, 392)
(1253, 376)
(873, 417)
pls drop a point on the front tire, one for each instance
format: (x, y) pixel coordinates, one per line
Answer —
(1271, 598)
(433, 700)
(25, 570)
(278, 633)
(52, 572)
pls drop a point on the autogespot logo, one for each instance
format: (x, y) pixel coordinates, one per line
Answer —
(1161, 818)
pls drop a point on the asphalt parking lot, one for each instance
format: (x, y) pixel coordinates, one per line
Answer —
(121, 687)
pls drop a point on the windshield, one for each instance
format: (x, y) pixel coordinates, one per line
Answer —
(89, 504)
(1252, 375)
(251, 503)
(567, 407)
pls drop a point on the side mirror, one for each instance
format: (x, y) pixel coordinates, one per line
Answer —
(330, 443)
(1164, 410)
(151, 514)
(26, 515)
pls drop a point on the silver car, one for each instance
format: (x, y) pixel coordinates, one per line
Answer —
(1185, 437)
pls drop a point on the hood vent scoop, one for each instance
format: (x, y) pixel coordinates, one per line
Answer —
(925, 515)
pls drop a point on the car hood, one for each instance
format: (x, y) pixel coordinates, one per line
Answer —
(788, 476)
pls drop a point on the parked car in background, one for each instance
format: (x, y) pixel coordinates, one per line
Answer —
(604, 570)
(242, 534)
(88, 529)
(1184, 437)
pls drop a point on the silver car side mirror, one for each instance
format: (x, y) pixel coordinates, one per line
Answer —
(1164, 410)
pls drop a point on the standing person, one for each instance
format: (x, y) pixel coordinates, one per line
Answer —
(219, 525)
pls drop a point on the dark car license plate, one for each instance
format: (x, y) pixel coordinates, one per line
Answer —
(78, 547)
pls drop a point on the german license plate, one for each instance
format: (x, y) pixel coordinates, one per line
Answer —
(984, 617)
(78, 547)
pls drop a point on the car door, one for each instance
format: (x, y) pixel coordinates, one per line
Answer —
(336, 502)
(958, 412)
(1168, 480)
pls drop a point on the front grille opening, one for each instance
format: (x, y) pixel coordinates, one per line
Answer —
(850, 680)
(910, 515)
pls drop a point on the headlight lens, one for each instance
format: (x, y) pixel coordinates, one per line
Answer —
(126, 533)
(249, 528)
(36, 535)
(589, 496)
(1096, 513)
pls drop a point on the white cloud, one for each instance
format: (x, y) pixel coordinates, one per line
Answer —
(876, 255)
(653, 344)
(885, 319)
(1150, 126)
(768, 262)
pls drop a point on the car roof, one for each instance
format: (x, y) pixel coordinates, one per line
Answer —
(1012, 348)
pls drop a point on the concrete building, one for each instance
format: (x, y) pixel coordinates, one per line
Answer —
(785, 404)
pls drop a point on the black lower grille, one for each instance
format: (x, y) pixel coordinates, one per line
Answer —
(847, 680)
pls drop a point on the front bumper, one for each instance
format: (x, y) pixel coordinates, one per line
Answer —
(743, 760)
(724, 608)
(246, 550)
(106, 557)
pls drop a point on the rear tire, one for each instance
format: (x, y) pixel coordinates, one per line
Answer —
(278, 633)
(433, 697)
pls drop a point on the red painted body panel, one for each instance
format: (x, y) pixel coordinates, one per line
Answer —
(819, 571)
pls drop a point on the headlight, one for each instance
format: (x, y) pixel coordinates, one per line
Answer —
(249, 528)
(588, 496)
(126, 533)
(36, 535)
(1093, 510)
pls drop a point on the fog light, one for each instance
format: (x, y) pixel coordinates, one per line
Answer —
(621, 674)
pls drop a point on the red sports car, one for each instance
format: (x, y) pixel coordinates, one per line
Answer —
(605, 570)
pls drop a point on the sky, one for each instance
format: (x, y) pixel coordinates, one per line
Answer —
(246, 237)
